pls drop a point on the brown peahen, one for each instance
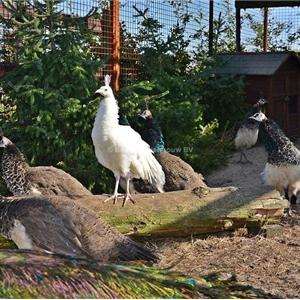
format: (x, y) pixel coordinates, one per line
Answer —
(32, 274)
(60, 225)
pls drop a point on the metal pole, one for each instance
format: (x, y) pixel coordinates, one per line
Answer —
(211, 27)
(265, 37)
(116, 41)
(238, 29)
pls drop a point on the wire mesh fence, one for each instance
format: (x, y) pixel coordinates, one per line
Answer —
(100, 23)
(287, 21)
(283, 29)
(193, 15)
(167, 14)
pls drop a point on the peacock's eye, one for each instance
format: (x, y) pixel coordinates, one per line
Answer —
(105, 90)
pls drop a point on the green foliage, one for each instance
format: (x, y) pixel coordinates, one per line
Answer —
(211, 149)
(49, 90)
(192, 105)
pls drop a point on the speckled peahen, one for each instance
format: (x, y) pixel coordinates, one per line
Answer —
(282, 170)
(22, 179)
(31, 274)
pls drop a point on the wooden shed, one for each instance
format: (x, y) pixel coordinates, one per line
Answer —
(274, 76)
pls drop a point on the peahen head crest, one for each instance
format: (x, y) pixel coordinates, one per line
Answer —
(107, 79)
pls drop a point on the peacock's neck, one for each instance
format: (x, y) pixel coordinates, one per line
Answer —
(13, 170)
(275, 141)
(153, 135)
(267, 139)
(108, 113)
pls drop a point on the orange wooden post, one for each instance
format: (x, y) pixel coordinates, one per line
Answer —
(116, 41)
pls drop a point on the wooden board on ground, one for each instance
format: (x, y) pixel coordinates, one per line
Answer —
(184, 213)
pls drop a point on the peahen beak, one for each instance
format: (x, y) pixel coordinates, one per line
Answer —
(143, 115)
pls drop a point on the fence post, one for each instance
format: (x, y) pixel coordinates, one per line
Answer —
(265, 37)
(238, 28)
(116, 48)
(211, 27)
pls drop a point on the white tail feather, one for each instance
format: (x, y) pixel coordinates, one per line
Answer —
(153, 172)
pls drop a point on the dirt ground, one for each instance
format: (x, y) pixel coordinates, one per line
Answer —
(271, 264)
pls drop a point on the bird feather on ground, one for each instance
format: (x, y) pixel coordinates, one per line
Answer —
(121, 149)
(32, 274)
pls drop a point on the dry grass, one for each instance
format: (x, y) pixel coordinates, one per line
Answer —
(269, 264)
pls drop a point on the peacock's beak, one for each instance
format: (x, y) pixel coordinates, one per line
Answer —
(263, 102)
(143, 115)
(99, 92)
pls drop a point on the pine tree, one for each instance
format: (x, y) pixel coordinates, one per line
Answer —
(54, 75)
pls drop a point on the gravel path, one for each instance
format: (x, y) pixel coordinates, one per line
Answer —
(240, 175)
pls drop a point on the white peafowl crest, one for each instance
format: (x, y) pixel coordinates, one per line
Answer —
(120, 148)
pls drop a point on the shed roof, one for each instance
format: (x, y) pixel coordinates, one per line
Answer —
(253, 63)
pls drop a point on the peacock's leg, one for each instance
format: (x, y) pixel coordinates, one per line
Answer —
(292, 198)
(246, 158)
(241, 157)
(286, 194)
(127, 194)
(115, 195)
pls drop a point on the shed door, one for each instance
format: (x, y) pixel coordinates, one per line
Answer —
(286, 102)
(278, 102)
(292, 98)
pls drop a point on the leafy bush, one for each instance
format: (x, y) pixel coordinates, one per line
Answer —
(50, 90)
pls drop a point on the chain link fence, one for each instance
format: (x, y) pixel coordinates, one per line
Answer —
(283, 28)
